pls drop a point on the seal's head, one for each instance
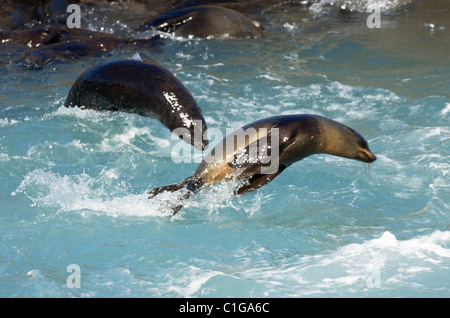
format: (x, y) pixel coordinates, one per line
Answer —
(342, 141)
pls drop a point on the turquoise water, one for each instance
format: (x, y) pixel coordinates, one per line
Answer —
(73, 183)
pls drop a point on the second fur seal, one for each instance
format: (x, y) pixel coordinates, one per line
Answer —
(143, 87)
(205, 21)
(250, 152)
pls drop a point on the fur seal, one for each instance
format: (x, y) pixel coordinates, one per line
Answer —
(143, 87)
(25, 38)
(295, 136)
(204, 21)
(62, 44)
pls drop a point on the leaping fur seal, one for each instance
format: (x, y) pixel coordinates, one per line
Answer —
(143, 87)
(282, 140)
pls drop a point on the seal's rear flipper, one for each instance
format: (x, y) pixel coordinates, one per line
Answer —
(175, 203)
(170, 188)
(175, 209)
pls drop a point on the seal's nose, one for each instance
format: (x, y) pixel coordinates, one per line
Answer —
(366, 155)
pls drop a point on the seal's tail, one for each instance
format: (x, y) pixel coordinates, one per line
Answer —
(174, 208)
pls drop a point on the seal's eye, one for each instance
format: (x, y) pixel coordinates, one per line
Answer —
(363, 143)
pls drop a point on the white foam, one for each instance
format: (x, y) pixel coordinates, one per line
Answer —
(221, 196)
(192, 281)
(359, 268)
(320, 7)
(118, 139)
(164, 35)
(124, 140)
(7, 122)
(271, 77)
(86, 195)
(446, 110)
(89, 114)
(105, 194)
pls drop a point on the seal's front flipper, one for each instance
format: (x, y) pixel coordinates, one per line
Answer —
(257, 181)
